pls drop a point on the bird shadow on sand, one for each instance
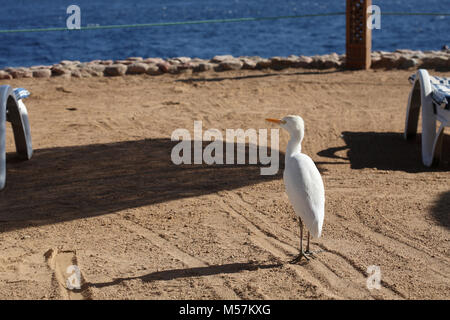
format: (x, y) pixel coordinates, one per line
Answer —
(167, 275)
(385, 151)
(441, 210)
(68, 183)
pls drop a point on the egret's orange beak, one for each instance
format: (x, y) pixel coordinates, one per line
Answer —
(277, 121)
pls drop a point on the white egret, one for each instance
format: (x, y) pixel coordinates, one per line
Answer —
(304, 185)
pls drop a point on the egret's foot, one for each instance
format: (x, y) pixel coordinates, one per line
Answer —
(310, 254)
(299, 258)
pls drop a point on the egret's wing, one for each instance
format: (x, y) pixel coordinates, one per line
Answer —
(304, 187)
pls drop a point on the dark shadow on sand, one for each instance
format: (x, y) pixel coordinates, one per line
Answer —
(190, 272)
(385, 151)
(255, 76)
(68, 183)
(441, 210)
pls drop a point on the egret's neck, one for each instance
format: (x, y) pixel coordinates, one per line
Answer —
(294, 145)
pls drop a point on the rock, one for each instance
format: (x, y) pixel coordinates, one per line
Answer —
(76, 73)
(173, 68)
(219, 59)
(39, 67)
(80, 65)
(135, 59)
(304, 62)
(96, 70)
(406, 63)
(334, 56)
(173, 61)
(124, 62)
(115, 70)
(153, 70)
(21, 73)
(42, 73)
(5, 75)
(375, 62)
(96, 73)
(185, 67)
(263, 63)
(183, 60)
(82, 73)
(164, 66)
(332, 61)
(326, 62)
(68, 62)
(248, 63)
(9, 69)
(230, 64)
(318, 62)
(107, 62)
(418, 55)
(153, 60)
(405, 51)
(375, 54)
(58, 70)
(279, 63)
(137, 68)
(204, 66)
(92, 70)
(435, 62)
(386, 61)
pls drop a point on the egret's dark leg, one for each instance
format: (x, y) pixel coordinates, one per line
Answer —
(308, 252)
(302, 253)
(301, 234)
(307, 245)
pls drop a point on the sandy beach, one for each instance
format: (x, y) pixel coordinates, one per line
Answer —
(102, 193)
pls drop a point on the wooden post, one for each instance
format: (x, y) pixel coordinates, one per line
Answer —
(359, 36)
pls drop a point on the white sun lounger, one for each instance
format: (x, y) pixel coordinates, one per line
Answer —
(433, 94)
(13, 109)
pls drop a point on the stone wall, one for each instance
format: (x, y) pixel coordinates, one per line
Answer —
(400, 59)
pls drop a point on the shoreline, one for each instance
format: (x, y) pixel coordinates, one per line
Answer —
(401, 59)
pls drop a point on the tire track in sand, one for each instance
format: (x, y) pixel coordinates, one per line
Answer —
(279, 250)
(217, 283)
(336, 273)
(336, 258)
(394, 234)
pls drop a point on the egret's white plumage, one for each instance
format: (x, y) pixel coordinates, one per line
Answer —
(304, 185)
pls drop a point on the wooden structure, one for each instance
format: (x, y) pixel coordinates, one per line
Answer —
(359, 36)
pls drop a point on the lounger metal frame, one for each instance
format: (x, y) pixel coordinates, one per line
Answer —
(432, 140)
(14, 111)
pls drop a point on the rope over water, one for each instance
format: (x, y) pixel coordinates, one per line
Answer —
(164, 24)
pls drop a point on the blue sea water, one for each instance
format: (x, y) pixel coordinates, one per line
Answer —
(308, 36)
